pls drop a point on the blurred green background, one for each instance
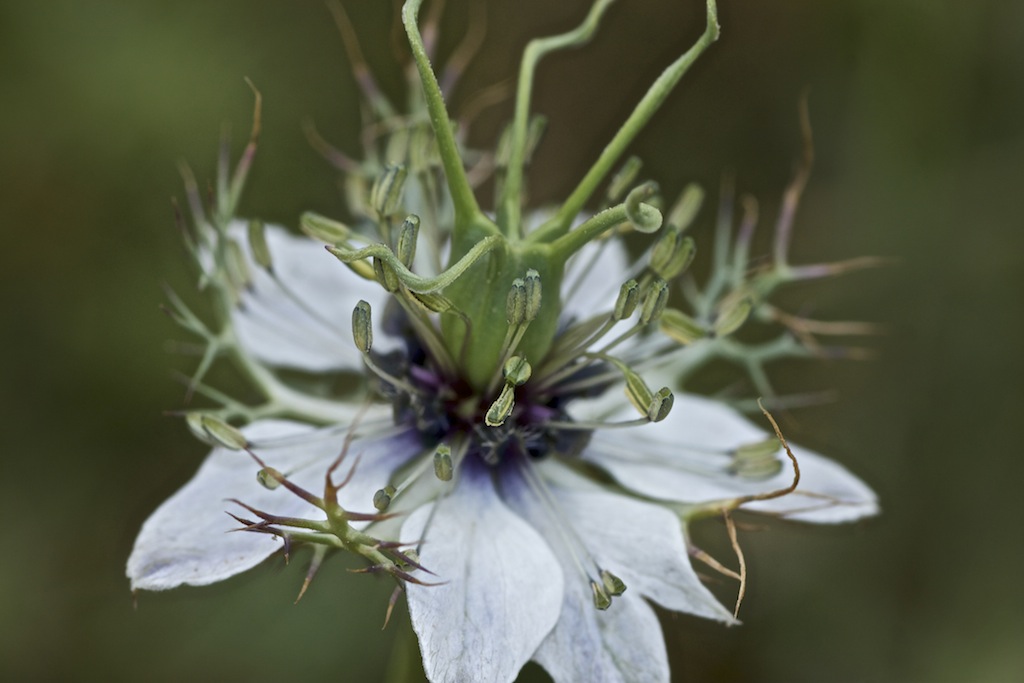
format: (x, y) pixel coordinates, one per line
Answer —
(917, 107)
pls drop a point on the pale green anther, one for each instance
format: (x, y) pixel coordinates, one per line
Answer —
(501, 408)
(443, 468)
(385, 275)
(732, 317)
(680, 327)
(258, 245)
(757, 460)
(602, 600)
(612, 584)
(362, 327)
(387, 190)
(422, 152)
(517, 371)
(533, 294)
(672, 254)
(354, 187)
(660, 405)
(238, 267)
(624, 178)
(654, 302)
(382, 498)
(407, 235)
(436, 303)
(516, 303)
(637, 391)
(216, 431)
(324, 229)
(397, 144)
(629, 297)
(682, 213)
(643, 216)
(269, 478)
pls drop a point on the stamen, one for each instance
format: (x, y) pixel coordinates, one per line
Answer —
(362, 335)
(387, 190)
(602, 583)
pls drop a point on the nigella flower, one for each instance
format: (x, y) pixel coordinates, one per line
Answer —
(506, 461)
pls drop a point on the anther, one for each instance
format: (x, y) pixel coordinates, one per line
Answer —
(324, 229)
(623, 178)
(382, 498)
(680, 327)
(629, 297)
(258, 245)
(362, 327)
(533, 294)
(612, 584)
(672, 254)
(682, 213)
(443, 468)
(387, 190)
(216, 432)
(385, 275)
(501, 408)
(516, 303)
(732, 317)
(654, 303)
(269, 478)
(660, 405)
(757, 460)
(407, 235)
(602, 600)
(517, 371)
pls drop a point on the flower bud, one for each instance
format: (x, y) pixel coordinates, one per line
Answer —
(387, 190)
(362, 327)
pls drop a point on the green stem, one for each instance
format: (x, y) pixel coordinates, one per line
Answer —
(466, 208)
(509, 207)
(649, 104)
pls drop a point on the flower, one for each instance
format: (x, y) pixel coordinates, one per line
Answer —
(530, 493)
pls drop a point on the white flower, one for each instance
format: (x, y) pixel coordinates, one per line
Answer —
(496, 470)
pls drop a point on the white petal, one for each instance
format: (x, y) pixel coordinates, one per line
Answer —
(685, 458)
(189, 539)
(622, 644)
(593, 278)
(639, 542)
(313, 335)
(503, 589)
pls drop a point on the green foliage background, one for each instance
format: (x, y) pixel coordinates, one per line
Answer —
(918, 108)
